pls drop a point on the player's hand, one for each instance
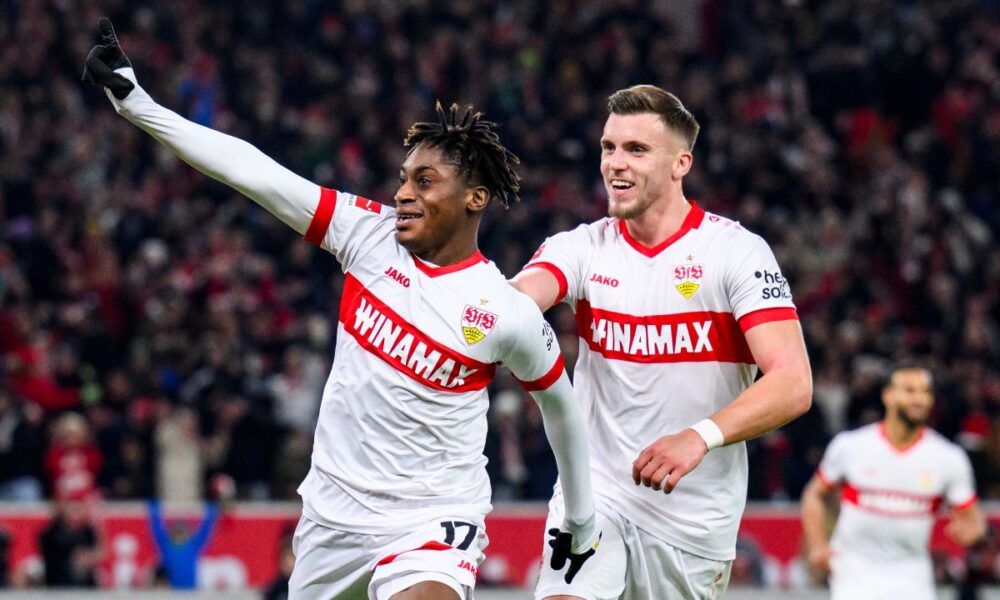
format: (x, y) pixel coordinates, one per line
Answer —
(819, 560)
(965, 531)
(664, 462)
(104, 59)
(563, 552)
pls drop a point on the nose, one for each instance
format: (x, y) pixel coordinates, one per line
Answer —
(616, 160)
(404, 194)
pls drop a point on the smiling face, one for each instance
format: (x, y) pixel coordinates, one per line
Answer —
(909, 397)
(641, 160)
(437, 210)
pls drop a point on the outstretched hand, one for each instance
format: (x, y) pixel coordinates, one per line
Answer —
(562, 552)
(104, 59)
(662, 464)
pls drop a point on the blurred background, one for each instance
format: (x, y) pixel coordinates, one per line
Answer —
(161, 337)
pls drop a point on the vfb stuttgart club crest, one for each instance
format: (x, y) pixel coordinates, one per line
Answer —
(477, 324)
(687, 279)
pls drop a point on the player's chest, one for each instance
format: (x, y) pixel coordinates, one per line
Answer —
(396, 308)
(894, 478)
(678, 280)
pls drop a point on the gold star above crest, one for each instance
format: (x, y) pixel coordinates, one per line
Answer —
(690, 257)
(483, 301)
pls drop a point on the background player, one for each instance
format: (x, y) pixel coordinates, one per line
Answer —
(892, 477)
(676, 309)
(397, 493)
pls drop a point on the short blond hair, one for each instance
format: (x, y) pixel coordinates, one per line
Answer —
(651, 99)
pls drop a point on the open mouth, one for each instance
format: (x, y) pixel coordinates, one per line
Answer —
(620, 185)
(406, 217)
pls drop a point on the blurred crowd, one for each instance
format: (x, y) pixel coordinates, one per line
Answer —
(158, 330)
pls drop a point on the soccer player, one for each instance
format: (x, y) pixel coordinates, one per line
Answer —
(395, 500)
(676, 309)
(892, 477)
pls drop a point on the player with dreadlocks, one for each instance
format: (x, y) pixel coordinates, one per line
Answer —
(395, 499)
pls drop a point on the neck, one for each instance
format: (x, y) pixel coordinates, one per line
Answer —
(661, 220)
(455, 251)
(900, 434)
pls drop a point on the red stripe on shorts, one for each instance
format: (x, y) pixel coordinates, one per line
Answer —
(427, 546)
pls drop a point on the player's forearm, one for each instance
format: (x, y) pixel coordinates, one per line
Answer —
(227, 159)
(814, 517)
(566, 431)
(773, 400)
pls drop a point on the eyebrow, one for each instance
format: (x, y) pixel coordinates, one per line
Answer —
(419, 169)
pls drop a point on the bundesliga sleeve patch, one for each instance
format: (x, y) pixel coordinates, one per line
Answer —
(477, 324)
(364, 204)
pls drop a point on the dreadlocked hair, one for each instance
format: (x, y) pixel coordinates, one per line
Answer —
(473, 147)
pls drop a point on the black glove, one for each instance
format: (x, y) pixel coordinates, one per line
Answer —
(104, 59)
(562, 550)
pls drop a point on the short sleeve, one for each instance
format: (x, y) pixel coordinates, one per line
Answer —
(961, 490)
(565, 255)
(349, 225)
(758, 292)
(833, 468)
(532, 351)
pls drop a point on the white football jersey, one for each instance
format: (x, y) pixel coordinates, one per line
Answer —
(662, 347)
(403, 423)
(889, 497)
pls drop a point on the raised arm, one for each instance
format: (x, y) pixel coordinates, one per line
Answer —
(227, 159)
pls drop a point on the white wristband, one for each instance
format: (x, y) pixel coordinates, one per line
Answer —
(709, 432)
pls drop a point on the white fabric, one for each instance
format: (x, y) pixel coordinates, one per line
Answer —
(331, 563)
(661, 349)
(618, 571)
(710, 433)
(890, 497)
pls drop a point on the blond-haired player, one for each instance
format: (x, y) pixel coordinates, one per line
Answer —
(676, 309)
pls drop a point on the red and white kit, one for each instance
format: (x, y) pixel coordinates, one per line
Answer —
(889, 499)
(403, 419)
(662, 347)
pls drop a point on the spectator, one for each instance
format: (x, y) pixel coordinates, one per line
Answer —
(20, 450)
(180, 545)
(70, 546)
(72, 461)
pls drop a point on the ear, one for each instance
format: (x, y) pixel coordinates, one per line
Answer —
(682, 164)
(477, 199)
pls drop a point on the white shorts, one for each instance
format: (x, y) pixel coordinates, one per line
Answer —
(334, 564)
(855, 577)
(632, 564)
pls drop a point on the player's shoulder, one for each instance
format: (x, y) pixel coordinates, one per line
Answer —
(729, 231)
(938, 443)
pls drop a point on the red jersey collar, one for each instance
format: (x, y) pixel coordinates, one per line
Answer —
(904, 449)
(435, 271)
(691, 221)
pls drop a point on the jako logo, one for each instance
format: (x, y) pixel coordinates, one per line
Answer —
(604, 280)
(468, 567)
(775, 286)
(399, 277)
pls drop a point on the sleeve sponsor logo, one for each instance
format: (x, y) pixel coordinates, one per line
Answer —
(775, 286)
(687, 278)
(387, 335)
(364, 204)
(548, 334)
(477, 324)
(700, 336)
